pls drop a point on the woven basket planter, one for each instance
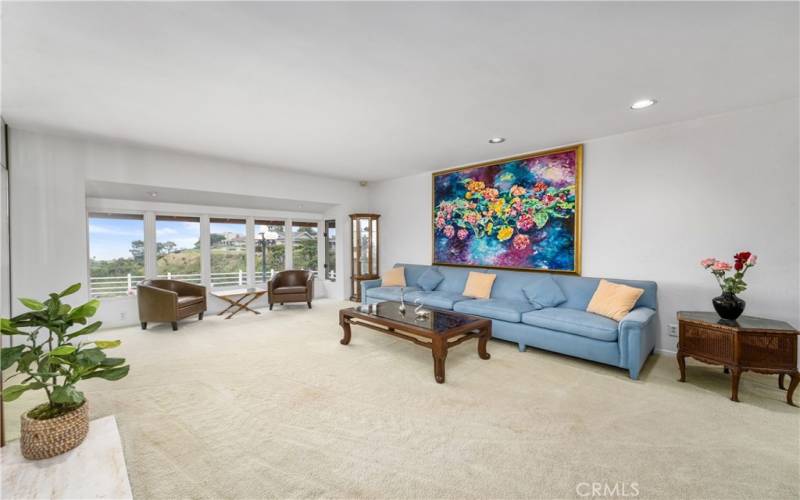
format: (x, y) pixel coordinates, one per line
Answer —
(48, 438)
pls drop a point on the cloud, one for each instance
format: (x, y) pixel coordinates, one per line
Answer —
(95, 229)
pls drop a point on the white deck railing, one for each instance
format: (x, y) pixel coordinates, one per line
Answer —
(120, 286)
(113, 286)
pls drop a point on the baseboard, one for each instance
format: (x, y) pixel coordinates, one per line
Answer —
(665, 351)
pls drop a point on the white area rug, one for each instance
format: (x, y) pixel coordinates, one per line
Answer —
(274, 406)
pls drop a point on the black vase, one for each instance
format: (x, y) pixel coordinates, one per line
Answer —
(728, 306)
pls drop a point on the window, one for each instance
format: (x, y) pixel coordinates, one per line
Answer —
(228, 252)
(304, 245)
(270, 248)
(116, 254)
(330, 250)
(178, 248)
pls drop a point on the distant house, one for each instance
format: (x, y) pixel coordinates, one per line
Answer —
(233, 241)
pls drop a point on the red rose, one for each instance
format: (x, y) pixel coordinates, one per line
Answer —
(739, 265)
(743, 256)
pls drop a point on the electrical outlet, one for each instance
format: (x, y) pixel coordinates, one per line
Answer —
(672, 330)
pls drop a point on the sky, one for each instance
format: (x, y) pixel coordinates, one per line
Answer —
(183, 234)
(111, 238)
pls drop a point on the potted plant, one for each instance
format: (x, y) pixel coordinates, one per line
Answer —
(728, 305)
(53, 358)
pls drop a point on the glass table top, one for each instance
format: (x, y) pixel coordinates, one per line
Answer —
(437, 320)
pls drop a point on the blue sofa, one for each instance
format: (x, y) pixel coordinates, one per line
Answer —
(567, 329)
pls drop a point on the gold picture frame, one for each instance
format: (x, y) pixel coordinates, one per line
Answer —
(571, 160)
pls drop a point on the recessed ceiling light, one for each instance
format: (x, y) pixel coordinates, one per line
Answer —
(643, 103)
(153, 194)
(497, 140)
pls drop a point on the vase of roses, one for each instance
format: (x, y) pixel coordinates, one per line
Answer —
(728, 305)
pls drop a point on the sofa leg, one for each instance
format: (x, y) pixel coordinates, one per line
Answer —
(270, 307)
(309, 304)
(174, 326)
(144, 325)
(521, 347)
(200, 316)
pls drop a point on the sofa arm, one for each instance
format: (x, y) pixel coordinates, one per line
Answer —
(366, 285)
(637, 338)
(310, 287)
(637, 317)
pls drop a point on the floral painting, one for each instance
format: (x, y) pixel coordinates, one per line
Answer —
(519, 213)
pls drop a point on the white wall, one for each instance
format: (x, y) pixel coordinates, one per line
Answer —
(656, 201)
(48, 204)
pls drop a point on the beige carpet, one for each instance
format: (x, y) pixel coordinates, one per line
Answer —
(274, 406)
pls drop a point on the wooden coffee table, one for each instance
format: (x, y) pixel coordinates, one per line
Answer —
(439, 331)
(239, 299)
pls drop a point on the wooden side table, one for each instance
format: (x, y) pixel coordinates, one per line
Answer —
(754, 344)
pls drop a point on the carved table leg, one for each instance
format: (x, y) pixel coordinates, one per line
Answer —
(345, 324)
(439, 350)
(736, 373)
(486, 334)
(682, 365)
(792, 386)
(780, 381)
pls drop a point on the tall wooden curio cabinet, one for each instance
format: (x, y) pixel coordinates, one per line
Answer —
(364, 243)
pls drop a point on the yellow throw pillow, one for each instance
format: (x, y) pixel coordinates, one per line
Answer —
(479, 285)
(613, 300)
(394, 277)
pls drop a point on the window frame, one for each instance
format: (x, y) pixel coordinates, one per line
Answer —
(177, 216)
(134, 214)
(150, 215)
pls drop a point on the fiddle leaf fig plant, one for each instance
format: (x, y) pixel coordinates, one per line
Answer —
(52, 355)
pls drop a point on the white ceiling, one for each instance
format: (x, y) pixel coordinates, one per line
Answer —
(380, 90)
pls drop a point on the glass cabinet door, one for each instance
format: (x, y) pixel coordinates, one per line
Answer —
(364, 251)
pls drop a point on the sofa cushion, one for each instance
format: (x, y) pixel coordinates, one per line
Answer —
(413, 272)
(573, 321)
(544, 293)
(613, 300)
(187, 300)
(390, 292)
(283, 290)
(430, 279)
(502, 309)
(479, 285)
(509, 284)
(437, 298)
(395, 276)
(579, 291)
(454, 279)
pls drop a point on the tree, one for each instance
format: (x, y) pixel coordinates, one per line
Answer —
(137, 250)
(215, 238)
(165, 248)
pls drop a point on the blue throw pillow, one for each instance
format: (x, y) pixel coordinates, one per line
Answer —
(429, 279)
(544, 293)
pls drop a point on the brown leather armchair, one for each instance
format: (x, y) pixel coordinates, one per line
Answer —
(169, 300)
(291, 286)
